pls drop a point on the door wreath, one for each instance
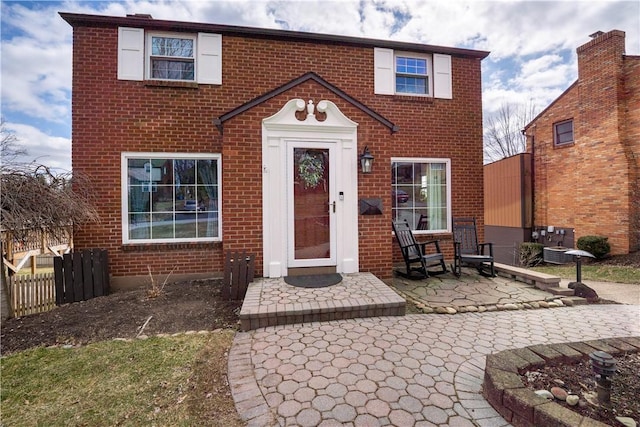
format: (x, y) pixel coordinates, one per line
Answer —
(311, 169)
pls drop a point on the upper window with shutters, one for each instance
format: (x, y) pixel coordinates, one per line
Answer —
(169, 56)
(410, 73)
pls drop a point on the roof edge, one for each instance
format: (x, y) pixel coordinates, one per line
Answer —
(554, 102)
(219, 121)
(79, 20)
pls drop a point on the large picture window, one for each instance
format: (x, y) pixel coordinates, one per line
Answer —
(171, 197)
(421, 193)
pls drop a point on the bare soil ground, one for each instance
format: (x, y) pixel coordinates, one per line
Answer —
(184, 306)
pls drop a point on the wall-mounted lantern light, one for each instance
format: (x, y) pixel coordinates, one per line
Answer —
(366, 160)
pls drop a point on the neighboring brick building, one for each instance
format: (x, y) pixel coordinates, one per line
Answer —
(586, 149)
(203, 138)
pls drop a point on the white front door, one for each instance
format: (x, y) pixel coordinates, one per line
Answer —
(302, 227)
(311, 204)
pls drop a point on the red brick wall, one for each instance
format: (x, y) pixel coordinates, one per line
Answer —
(588, 185)
(112, 116)
(631, 142)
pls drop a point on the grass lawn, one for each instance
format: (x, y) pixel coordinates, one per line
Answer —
(165, 381)
(598, 272)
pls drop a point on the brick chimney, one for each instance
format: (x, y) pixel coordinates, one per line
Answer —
(600, 81)
(605, 50)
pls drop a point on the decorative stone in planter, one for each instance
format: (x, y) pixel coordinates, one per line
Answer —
(504, 388)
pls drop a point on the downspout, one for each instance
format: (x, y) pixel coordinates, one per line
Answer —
(533, 182)
(533, 175)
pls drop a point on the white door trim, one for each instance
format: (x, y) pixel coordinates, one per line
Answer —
(277, 131)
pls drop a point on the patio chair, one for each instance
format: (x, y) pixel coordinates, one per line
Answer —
(468, 251)
(415, 254)
(423, 223)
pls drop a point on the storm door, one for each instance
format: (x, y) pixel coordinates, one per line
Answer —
(311, 239)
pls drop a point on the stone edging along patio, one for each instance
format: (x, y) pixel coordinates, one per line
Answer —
(561, 297)
(551, 302)
(504, 389)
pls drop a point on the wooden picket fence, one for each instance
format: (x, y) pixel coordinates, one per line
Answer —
(238, 273)
(81, 275)
(32, 293)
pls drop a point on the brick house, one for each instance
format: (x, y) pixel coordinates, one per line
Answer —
(203, 138)
(586, 150)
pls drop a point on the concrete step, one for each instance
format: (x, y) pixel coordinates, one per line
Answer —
(556, 290)
(272, 302)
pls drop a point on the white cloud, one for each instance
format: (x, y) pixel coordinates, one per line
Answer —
(544, 72)
(52, 151)
(36, 63)
(40, 24)
(37, 78)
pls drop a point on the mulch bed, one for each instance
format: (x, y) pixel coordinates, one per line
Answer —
(579, 379)
(628, 260)
(184, 306)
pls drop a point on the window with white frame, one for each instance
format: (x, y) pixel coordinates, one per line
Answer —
(183, 57)
(421, 193)
(169, 197)
(563, 132)
(412, 74)
(171, 57)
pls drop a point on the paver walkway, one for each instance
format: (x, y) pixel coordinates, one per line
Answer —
(416, 370)
(468, 290)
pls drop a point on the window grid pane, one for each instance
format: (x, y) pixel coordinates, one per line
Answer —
(411, 85)
(415, 66)
(172, 47)
(419, 194)
(172, 58)
(173, 199)
(411, 75)
(172, 70)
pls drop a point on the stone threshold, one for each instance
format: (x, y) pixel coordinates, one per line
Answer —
(506, 392)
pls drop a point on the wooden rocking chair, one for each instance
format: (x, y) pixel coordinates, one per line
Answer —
(468, 251)
(415, 254)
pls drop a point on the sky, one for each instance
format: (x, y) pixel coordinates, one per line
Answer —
(532, 44)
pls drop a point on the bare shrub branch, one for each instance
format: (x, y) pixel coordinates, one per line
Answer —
(36, 199)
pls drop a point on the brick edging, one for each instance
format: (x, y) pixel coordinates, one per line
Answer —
(504, 389)
(249, 400)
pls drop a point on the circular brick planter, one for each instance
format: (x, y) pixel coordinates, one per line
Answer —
(505, 391)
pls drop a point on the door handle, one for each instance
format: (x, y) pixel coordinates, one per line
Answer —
(334, 206)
